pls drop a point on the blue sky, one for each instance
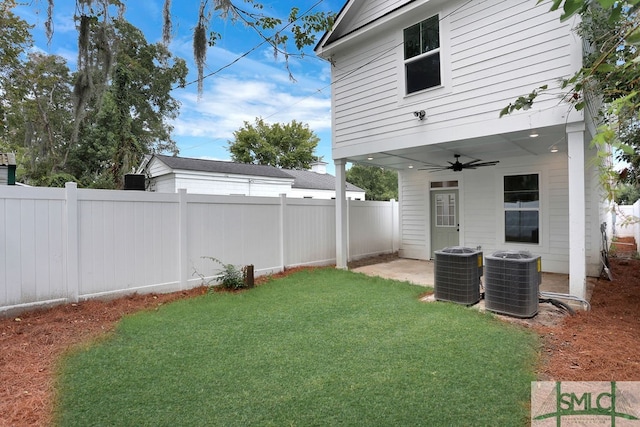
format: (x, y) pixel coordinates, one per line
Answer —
(256, 86)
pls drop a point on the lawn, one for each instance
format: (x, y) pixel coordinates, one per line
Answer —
(323, 347)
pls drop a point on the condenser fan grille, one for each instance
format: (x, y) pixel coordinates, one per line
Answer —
(457, 272)
(512, 282)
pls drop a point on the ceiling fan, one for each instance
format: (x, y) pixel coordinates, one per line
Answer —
(457, 166)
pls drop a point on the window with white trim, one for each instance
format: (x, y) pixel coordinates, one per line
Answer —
(522, 208)
(422, 55)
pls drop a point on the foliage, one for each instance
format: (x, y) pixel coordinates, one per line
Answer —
(303, 28)
(323, 347)
(39, 117)
(97, 124)
(378, 183)
(130, 119)
(289, 146)
(627, 194)
(15, 38)
(230, 276)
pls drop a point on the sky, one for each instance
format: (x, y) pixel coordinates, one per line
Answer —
(257, 85)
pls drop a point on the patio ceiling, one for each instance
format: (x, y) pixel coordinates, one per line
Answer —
(494, 147)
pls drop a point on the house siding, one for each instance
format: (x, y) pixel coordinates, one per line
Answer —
(482, 212)
(414, 216)
(207, 183)
(372, 10)
(492, 54)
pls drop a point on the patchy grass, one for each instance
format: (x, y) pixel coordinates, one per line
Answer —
(322, 347)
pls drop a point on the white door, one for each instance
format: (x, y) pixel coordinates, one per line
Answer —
(445, 225)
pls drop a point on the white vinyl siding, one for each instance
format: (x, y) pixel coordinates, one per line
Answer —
(482, 212)
(414, 221)
(374, 9)
(495, 53)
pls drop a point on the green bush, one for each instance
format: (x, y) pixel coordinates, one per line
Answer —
(230, 276)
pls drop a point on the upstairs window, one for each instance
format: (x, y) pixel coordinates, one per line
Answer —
(422, 55)
(522, 208)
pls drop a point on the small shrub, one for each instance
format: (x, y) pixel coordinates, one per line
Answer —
(230, 276)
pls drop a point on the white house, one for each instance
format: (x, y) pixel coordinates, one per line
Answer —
(417, 83)
(167, 174)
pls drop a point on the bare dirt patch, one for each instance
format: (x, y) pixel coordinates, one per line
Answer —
(600, 345)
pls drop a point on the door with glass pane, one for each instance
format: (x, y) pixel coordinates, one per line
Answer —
(445, 225)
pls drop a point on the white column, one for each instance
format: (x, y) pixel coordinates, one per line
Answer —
(341, 215)
(577, 211)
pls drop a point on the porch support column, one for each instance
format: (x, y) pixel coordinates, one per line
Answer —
(341, 215)
(577, 211)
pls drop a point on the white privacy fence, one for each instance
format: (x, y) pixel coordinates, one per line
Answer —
(70, 244)
(626, 220)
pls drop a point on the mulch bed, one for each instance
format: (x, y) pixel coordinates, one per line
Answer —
(600, 345)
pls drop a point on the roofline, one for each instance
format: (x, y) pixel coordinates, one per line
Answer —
(335, 23)
(318, 46)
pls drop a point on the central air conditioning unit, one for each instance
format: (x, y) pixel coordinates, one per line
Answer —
(457, 274)
(512, 283)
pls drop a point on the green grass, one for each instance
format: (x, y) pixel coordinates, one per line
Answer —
(320, 348)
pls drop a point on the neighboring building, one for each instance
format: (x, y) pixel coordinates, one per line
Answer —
(417, 82)
(7, 169)
(167, 174)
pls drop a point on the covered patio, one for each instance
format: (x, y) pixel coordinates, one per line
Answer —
(421, 272)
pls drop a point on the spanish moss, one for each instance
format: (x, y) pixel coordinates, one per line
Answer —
(166, 24)
(200, 44)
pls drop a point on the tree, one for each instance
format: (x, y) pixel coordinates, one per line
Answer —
(289, 146)
(130, 119)
(15, 39)
(301, 26)
(93, 136)
(379, 183)
(39, 117)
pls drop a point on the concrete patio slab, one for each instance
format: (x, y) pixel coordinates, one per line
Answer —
(421, 272)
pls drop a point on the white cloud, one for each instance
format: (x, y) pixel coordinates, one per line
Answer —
(227, 103)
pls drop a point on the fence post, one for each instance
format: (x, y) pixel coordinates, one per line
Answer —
(348, 226)
(72, 265)
(392, 204)
(283, 230)
(183, 229)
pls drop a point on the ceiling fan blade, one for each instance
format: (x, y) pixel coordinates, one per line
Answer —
(471, 163)
(475, 165)
(434, 168)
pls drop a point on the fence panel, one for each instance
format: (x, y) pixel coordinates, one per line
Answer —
(31, 245)
(127, 241)
(68, 244)
(236, 230)
(310, 232)
(371, 228)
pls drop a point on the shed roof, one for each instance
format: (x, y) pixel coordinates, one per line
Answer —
(302, 178)
(316, 181)
(218, 166)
